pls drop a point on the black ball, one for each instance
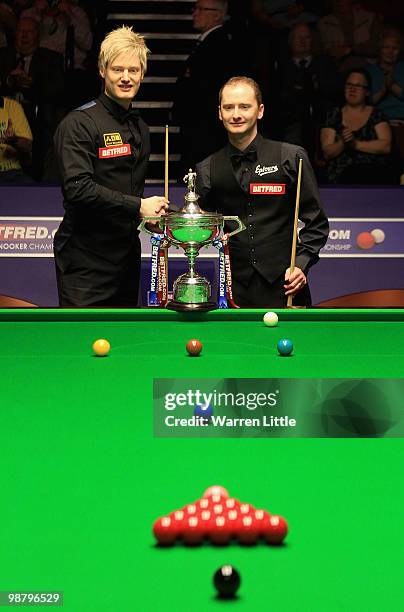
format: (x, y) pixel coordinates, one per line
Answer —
(226, 581)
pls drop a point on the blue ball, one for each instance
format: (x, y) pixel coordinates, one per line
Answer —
(204, 411)
(285, 347)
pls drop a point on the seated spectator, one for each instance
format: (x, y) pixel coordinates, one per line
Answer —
(195, 107)
(349, 32)
(388, 76)
(63, 22)
(34, 76)
(65, 28)
(7, 23)
(388, 86)
(356, 139)
(15, 142)
(310, 87)
(271, 21)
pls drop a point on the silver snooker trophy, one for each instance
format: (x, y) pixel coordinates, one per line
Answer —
(191, 229)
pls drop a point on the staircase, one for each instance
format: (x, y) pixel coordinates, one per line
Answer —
(167, 28)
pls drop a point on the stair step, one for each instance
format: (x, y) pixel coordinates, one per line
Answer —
(157, 129)
(156, 170)
(152, 104)
(164, 46)
(158, 142)
(163, 92)
(164, 67)
(155, 115)
(159, 157)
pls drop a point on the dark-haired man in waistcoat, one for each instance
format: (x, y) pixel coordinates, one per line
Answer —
(256, 179)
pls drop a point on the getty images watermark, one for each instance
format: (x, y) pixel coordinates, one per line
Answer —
(214, 402)
(278, 407)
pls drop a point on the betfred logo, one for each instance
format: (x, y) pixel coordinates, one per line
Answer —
(267, 188)
(114, 151)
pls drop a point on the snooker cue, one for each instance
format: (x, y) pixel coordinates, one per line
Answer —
(165, 248)
(294, 242)
(166, 165)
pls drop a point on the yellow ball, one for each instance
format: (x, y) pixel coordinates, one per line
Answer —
(101, 347)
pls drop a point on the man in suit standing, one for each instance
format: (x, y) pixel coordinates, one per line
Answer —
(256, 179)
(103, 150)
(34, 77)
(310, 86)
(212, 62)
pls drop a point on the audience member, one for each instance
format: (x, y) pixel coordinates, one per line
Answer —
(7, 23)
(15, 142)
(270, 24)
(212, 62)
(63, 22)
(34, 76)
(388, 76)
(310, 87)
(356, 139)
(388, 86)
(65, 28)
(349, 32)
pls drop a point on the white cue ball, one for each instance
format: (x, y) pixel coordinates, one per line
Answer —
(378, 235)
(270, 319)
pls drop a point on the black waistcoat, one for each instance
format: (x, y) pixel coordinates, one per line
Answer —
(126, 173)
(266, 209)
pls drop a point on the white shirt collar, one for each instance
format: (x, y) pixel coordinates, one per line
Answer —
(308, 58)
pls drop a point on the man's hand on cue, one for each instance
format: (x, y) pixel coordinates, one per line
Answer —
(156, 205)
(295, 281)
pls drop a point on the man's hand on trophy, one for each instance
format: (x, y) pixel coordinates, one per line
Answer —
(154, 206)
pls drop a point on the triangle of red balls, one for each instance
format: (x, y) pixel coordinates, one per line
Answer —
(219, 518)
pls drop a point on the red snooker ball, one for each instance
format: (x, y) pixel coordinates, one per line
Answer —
(275, 529)
(365, 240)
(194, 347)
(216, 490)
(165, 531)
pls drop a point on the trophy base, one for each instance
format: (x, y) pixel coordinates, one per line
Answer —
(186, 307)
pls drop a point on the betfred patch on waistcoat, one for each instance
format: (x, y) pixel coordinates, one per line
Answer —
(267, 188)
(118, 151)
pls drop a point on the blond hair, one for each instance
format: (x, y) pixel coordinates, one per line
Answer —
(122, 40)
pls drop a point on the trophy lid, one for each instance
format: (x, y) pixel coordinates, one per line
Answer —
(191, 206)
(191, 212)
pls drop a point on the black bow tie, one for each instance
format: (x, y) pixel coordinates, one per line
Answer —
(239, 158)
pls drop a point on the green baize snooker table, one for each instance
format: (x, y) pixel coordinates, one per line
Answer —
(84, 476)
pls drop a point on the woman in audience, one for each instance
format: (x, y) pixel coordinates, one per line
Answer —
(388, 87)
(388, 76)
(356, 139)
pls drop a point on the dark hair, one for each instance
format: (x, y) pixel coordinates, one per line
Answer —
(361, 71)
(247, 81)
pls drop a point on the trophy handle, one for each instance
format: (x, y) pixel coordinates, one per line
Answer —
(240, 227)
(142, 225)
